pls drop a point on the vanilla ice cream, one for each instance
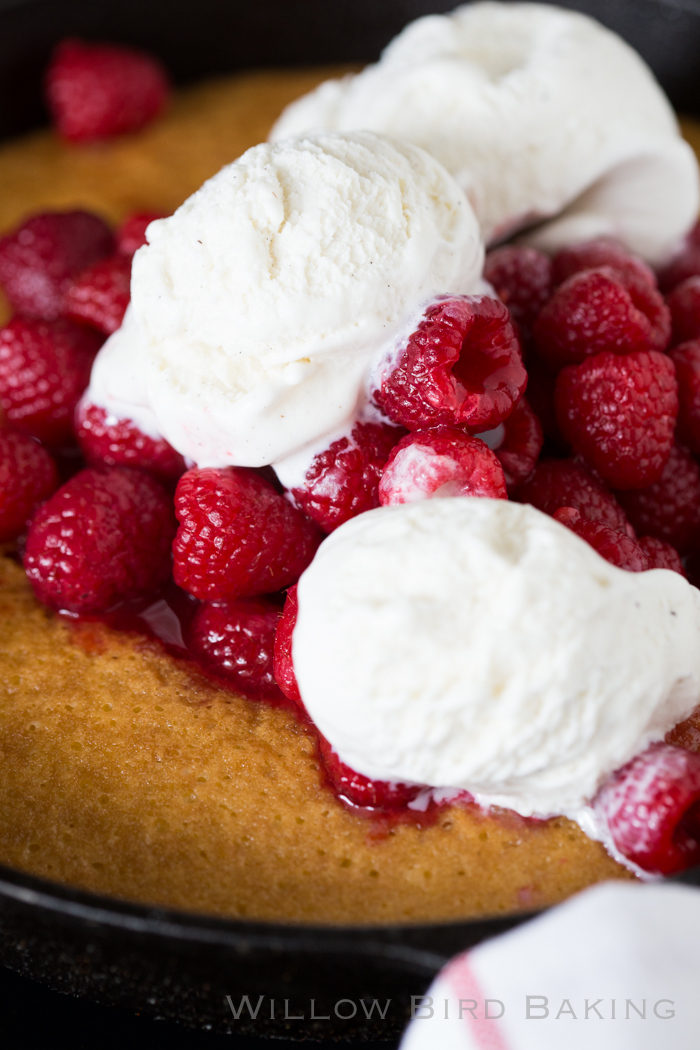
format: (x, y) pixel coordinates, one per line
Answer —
(259, 307)
(544, 117)
(479, 644)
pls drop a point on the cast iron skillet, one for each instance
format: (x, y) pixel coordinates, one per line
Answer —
(184, 966)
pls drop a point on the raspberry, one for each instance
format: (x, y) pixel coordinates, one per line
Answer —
(540, 395)
(359, 789)
(591, 255)
(38, 260)
(342, 481)
(28, 475)
(618, 549)
(564, 483)
(131, 235)
(523, 279)
(601, 310)
(461, 367)
(619, 413)
(100, 295)
(651, 808)
(686, 358)
(441, 462)
(517, 442)
(235, 640)
(104, 537)
(282, 664)
(97, 91)
(661, 555)
(685, 264)
(44, 368)
(111, 442)
(237, 536)
(684, 304)
(670, 508)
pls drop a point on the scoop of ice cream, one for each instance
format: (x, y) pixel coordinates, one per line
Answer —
(539, 113)
(478, 644)
(259, 306)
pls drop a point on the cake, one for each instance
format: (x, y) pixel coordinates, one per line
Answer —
(131, 771)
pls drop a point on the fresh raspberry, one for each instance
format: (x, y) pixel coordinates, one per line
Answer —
(602, 251)
(541, 380)
(111, 442)
(342, 481)
(619, 413)
(686, 358)
(441, 462)
(282, 663)
(686, 263)
(238, 537)
(28, 475)
(618, 549)
(517, 442)
(559, 483)
(39, 260)
(523, 279)
(97, 91)
(131, 235)
(359, 789)
(100, 295)
(651, 807)
(670, 508)
(684, 304)
(601, 310)
(104, 537)
(44, 369)
(235, 640)
(461, 367)
(661, 555)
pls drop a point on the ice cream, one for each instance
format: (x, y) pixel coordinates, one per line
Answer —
(478, 644)
(545, 118)
(259, 307)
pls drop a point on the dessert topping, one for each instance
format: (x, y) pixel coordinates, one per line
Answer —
(519, 445)
(111, 442)
(438, 463)
(261, 306)
(343, 480)
(669, 508)
(684, 304)
(619, 413)
(461, 366)
(424, 628)
(42, 256)
(615, 547)
(652, 808)
(44, 369)
(599, 252)
(686, 358)
(97, 91)
(100, 295)
(104, 537)
(235, 640)
(601, 310)
(238, 537)
(27, 476)
(522, 278)
(559, 483)
(490, 90)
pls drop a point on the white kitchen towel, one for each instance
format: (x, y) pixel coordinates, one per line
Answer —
(616, 967)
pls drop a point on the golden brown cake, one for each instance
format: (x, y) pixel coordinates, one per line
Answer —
(127, 772)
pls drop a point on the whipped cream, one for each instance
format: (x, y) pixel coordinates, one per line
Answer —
(479, 644)
(259, 307)
(542, 115)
